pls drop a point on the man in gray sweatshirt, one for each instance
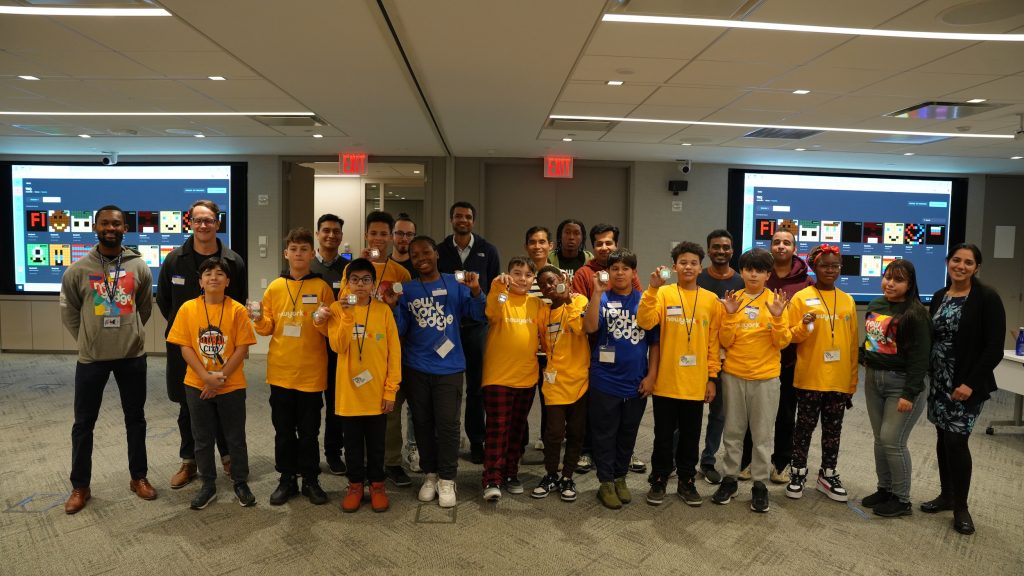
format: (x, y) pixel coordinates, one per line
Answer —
(105, 299)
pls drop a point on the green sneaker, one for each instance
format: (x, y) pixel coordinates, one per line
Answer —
(606, 494)
(622, 491)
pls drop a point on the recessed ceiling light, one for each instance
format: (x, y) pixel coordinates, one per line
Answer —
(84, 136)
(28, 77)
(615, 82)
(200, 135)
(218, 78)
(43, 11)
(800, 149)
(976, 100)
(908, 153)
(318, 135)
(566, 139)
(415, 171)
(801, 92)
(686, 144)
(713, 23)
(782, 126)
(1016, 157)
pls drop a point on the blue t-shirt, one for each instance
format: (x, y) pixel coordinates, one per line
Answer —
(426, 313)
(618, 329)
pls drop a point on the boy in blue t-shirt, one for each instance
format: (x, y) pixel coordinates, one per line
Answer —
(623, 368)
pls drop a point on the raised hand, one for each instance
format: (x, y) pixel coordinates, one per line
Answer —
(656, 279)
(778, 305)
(732, 301)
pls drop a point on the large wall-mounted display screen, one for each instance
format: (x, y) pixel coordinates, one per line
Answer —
(873, 219)
(51, 209)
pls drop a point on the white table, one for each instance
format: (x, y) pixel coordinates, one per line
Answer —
(1010, 376)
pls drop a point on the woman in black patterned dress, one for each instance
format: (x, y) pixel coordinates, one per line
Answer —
(967, 344)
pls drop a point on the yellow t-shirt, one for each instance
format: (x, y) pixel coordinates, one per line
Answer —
(753, 339)
(388, 272)
(297, 358)
(369, 357)
(689, 321)
(836, 337)
(513, 335)
(196, 326)
(568, 349)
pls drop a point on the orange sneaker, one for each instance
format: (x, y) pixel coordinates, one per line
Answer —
(354, 497)
(379, 497)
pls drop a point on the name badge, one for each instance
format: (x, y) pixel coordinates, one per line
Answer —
(813, 301)
(751, 312)
(614, 304)
(358, 330)
(336, 285)
(443, 346)
(674, 311)
(178, 280)
(502, 298)
(606, 354)
(549, 376)
(309, 299)
(439, 292)
(111, 321)
(832, 356)
(362, 378)
(552, 328)
(688, 360)
(293, 330)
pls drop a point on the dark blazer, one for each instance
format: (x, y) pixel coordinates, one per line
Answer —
(978, 344)
(483, 260)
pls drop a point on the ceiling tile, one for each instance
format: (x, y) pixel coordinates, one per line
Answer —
(784, 101)
(924, 86)
(895, 54)
(243, 88)
(592, 109)
(1007, 89)
(637, 137)
(736, 74)
(198, 65)
(773, 47)
(643, 70)
(694, 96)
(626, 39)
(746, 116)
(599, 92)
(127, 34)
(88, 64)
(22, 33)
(999, 58)
(820, 78)
(859, 14)
(672, 112)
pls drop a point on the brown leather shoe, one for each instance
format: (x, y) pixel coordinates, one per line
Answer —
(143, 489)
(77, 500)
(184, 475)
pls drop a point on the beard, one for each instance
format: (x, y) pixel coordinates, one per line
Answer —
(118, 237)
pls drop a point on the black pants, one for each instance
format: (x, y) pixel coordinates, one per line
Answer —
(364, 447)
(176, 392)
(955, 466)
(334, 431)
(90, 380)
(542, 362)
(222, 412)
(474, 340)
(687, 416)
(614, 423)
(566, 421)
(785, 420)
(435, 400)
(296, 419)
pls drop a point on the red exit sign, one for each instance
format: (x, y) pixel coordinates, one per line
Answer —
(558, 166)
(353, 164)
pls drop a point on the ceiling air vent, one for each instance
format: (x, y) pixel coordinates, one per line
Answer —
(311, 121)
(943, 110)
(782, 133)
(578, 126)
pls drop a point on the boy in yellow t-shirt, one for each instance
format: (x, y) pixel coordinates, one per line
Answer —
(296, 369)
(754, 331)
(214, 333)
(365, 336)
(823, 321)
(688, 367)
(565, 381)
(510, 374)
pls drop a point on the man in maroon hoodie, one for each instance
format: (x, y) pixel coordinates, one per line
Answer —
(605, 239)
(790, 275)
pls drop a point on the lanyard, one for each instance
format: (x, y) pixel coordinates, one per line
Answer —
(554, 341)
(443, 320)
(831, 313)
(693, 315)
(111, 287)
(211, 328)
(752, 300)
(380, 278)
(366, 324)
(298, 293)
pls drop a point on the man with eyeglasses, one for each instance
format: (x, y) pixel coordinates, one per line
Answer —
(405, 231)
(330, 266)
(178, 283)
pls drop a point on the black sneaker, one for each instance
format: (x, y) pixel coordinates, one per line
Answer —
(893, 508)
(311, 489)
(244, 495)
(514, 485)
(287, 487)
(686, 491)
(548, 484)
(711, 476)
(584, 464)
(759, 502)
(726, 490)
(476, 453)
(656, 495)
(336, 465)
(881, 496)
(567, 490)
(398, 476)
(207, 494)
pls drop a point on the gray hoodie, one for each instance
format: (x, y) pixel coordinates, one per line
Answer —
(86, 308)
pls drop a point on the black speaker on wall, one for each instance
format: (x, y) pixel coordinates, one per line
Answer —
(677, 186)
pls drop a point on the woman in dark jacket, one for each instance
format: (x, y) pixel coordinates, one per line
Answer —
(967, 344)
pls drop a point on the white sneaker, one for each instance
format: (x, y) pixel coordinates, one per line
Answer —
(412, 460)
(539, 444)
(429, 489)
(446, 493)
(492, 493)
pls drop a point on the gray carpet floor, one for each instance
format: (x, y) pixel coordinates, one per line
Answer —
(118, 533)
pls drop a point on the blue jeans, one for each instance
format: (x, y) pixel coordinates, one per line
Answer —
(882, 389)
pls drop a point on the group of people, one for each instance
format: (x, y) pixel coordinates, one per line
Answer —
(771, 349)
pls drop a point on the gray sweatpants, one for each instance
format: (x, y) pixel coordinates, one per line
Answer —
(750, 403)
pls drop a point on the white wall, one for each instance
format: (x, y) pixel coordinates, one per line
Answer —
(344, 198)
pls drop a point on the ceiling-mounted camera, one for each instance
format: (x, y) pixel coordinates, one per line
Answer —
(685, 166)
(109, 158)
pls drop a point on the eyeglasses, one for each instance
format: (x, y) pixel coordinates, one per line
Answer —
(404, 234)
(203, 222)
(360, 280)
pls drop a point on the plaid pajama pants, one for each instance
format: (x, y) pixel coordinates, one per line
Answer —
(506, 409)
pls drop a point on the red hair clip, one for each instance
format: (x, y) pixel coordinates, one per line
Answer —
(828, 249)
